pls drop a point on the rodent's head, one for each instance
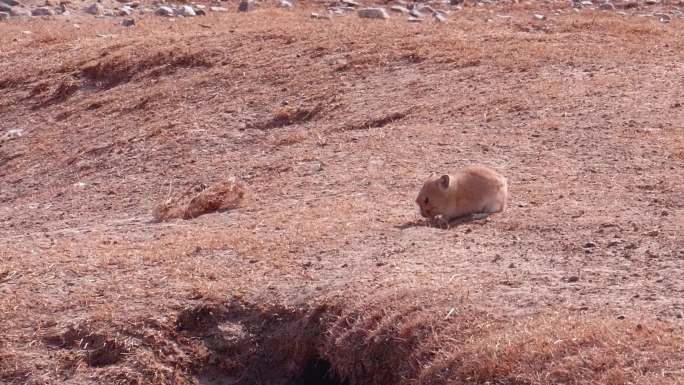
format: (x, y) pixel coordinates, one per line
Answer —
(433, 197)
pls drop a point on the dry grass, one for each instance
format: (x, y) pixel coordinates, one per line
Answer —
(221, 196)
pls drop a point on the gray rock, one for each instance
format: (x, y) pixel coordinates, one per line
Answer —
(587, 3)
(164, 11)
(663, 17)
(187, 11)
(218, 9)
(350, 3)
(284, 4)
(539, 16)
(128, 22)
(400, 9)
(440, 17)
(315, 15)
(372, 13)
(426, 8)
(11, 3)
(96, 9)
(42, 11)
(4, 16)
(651, 2)
(125, 11)
(246, 5)
(5, 7)
(607, 6)
(415, 13)
(200, 12)
(412, 19)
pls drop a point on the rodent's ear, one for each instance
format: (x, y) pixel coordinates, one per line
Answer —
(444, 181)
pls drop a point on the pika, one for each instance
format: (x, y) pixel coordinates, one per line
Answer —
(475, 189)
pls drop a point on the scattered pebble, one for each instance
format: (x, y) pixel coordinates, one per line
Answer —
(663, 17)
(187, 11)
(246, 6)
(400, 9)
(607, 6)
(95, 9)
(539, 16)
(573, 278)
(284, 4)
(373, 13)
(440, 17)
(218, 9)
(589, 245)
(164, 11)
(128, 22)
(125, 11)
(315, 15)
(42, 11)
(414, 19)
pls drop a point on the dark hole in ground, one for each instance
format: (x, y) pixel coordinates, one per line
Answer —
(317, 372)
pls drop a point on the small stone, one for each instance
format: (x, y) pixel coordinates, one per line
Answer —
(246, 6)
(511, 265)
(200, 12)
(187, 11)
(589, 245)
(620, 317)
(426, 8)
(319, 16)
(573, 278)
(440, 17)
(415, 13)
(607, 6)
(372, 13)
(651, 2)
(4, 16)
(455, 2)
(350, 3)
(663, 17)
(539, 16)
(42, 11)
(125, 11)
(414, 20)
(587, 3)
(613, 243)
(400, 9)
(284, 4)
(128, 22)
(12, 3)
(164, 11)
(218, 9)
(95, 9)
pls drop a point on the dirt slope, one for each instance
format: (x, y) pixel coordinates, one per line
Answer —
(332, 126)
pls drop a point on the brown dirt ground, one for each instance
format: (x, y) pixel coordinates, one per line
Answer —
(331, 127)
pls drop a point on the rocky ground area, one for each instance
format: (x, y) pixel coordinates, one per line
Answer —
(662, 10)
(129, 255)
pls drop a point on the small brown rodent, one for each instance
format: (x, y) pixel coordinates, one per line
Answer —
(474, 189)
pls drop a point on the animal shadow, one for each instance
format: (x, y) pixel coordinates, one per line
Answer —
(442, 224)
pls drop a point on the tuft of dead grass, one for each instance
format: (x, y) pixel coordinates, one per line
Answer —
(222, 196)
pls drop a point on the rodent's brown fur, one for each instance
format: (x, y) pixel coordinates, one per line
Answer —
(474, 189)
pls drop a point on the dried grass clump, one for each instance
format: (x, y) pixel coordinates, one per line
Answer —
(420, 338)
(219, 197)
